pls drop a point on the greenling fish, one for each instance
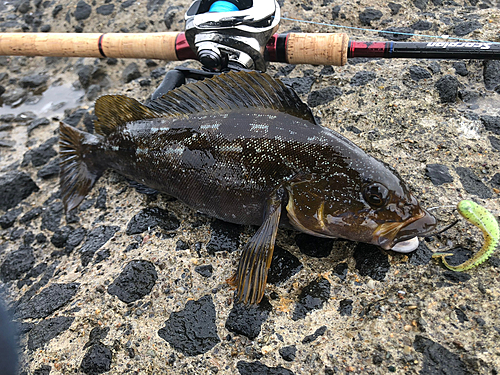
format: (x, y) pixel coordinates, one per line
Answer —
(242, 147)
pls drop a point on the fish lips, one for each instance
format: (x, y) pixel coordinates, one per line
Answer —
(402, 236)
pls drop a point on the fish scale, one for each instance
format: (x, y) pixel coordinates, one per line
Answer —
(250, 153)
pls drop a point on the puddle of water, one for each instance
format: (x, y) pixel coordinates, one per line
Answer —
(51, 103)
(485, 106)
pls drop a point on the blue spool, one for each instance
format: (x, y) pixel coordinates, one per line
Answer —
(223, 6)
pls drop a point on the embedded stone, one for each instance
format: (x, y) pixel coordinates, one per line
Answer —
(135, 281)
(192, 331)
(312, 297)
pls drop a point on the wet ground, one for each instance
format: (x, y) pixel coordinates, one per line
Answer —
(135, 282)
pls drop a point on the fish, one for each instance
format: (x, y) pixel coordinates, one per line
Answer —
(242, 147)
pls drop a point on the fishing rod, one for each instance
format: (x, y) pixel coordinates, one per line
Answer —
(236, 33)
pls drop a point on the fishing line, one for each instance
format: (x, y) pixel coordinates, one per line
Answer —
(447, 37)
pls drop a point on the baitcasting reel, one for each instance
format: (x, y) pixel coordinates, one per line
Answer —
(231, 34)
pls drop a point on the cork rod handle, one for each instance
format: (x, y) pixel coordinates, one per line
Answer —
(118, 45)
(317, 49)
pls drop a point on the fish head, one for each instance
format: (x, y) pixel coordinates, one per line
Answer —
(379, 211)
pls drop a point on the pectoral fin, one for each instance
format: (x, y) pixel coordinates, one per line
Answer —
(251, 276)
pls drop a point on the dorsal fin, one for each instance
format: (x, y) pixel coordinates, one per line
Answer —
(116, 110)
(231, 91)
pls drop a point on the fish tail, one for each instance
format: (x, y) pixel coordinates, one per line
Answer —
(78, 172)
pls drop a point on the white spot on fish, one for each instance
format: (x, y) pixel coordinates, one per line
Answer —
(141, 151)
(174, 150)
(231, 148)
(214, 126)
(259, 127)
(115, 148)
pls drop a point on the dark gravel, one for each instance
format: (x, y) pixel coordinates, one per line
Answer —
(192, 331)
(136, 281)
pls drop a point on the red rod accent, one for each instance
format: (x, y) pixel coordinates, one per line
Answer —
(182, 48)
(271, 48)
(367, 49)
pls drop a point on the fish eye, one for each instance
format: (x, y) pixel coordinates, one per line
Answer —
(375, 195)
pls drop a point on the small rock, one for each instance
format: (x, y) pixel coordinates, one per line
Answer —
(312, 297)
(74, 118)
(96, 238)
(447, 87)
(323, 96)
(288, 353)
(105, 9)
(42, 121)
(47, 329)
(17, 263)
(421, 256)
(247, 320)
(362, 78)
(192, 331)
(51, 217)
(74, 239)
(33, 81)
(56, 10)
(319, 332)
(153, 5)
(50, 170)
(472, 184)
(205, 270)
(82, 11)
(158, 72)
(495, 142)
(61, 236)
(15, 96)
(345, 307)
(100, 201)
(151, 217)
(394, 8)
(420, 4)
(30, 215)
(224, 237)
(335, 12)
(437, 359)
(130, 73)
(491, 123)
(456, 277)
(341, 271)
(47, 301)
(460, 68)
(257, 368)
(491, 74)
(422, 25)
(135, 281)
(97, 359)
(40, 155)
(301, 85)
(438, 173)
(283, 266)
(369, 15)
(370, 261)
(14, 187)
(8, 219)
(417, 73)
(127, 3)
(467, 27)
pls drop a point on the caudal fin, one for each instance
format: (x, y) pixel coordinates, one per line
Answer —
(78, 174)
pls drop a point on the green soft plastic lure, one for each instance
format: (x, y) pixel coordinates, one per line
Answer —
(484, 220)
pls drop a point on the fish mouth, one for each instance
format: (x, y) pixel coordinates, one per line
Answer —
(402, 236)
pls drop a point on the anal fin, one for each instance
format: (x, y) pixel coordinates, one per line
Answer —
(251, 277)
